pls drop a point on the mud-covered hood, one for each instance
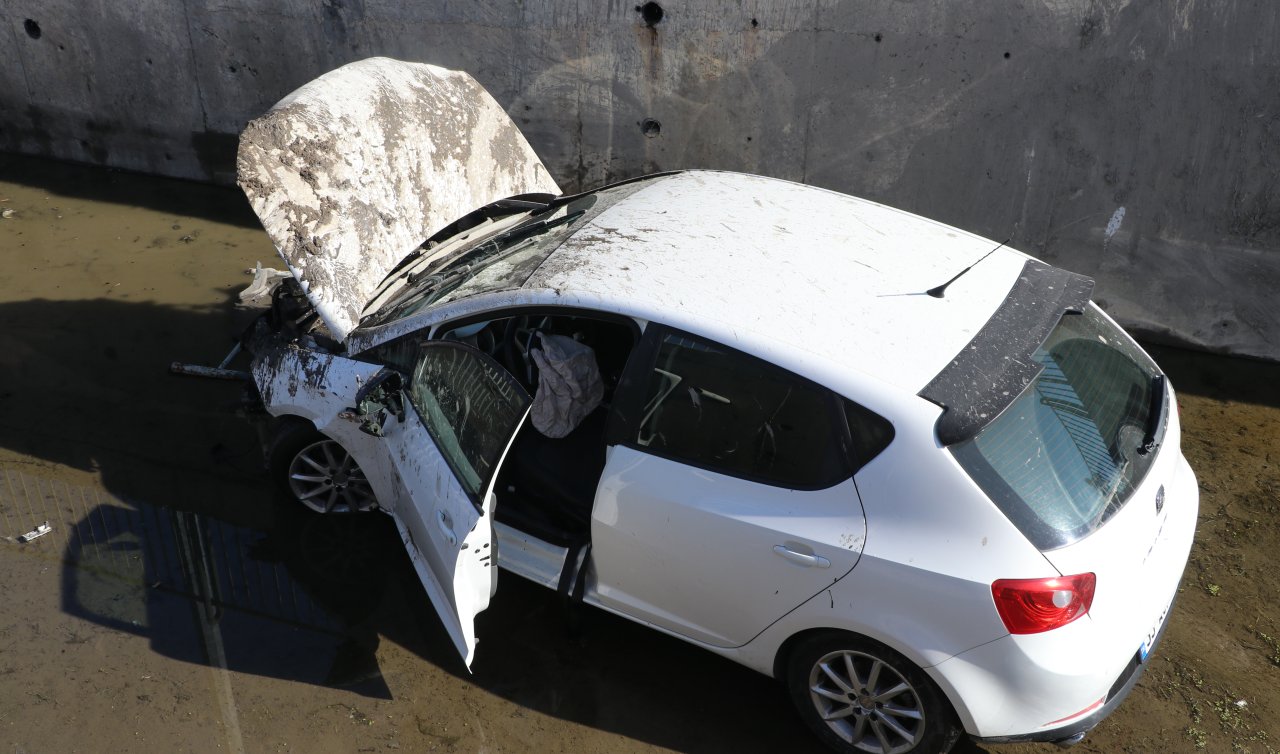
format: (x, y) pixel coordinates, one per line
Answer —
(354, 170)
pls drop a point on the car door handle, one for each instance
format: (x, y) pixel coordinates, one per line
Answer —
(804, 559)
(442, 520)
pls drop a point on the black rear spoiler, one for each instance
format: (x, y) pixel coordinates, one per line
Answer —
(998, 363)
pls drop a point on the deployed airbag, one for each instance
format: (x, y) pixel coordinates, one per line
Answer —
(569, 385)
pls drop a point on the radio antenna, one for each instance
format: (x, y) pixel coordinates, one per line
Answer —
(937, 292)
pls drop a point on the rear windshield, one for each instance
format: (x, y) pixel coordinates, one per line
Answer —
(1064, 456)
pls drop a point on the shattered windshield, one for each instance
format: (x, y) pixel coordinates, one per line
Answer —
(499, 262)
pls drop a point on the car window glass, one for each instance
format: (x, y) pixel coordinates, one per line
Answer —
(735, 414)
(400, 354)
(500, 262)
(1067, 454)
(471, 407)
(870, 433)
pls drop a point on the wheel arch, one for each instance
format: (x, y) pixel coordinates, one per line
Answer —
(783, 654)
(284, 421)
(788, 646)
(278, 427)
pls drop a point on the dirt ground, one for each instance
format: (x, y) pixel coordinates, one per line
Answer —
(175, 606)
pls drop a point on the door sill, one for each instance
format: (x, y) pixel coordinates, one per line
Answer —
(529, 557)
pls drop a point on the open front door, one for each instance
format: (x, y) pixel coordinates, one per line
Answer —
(464, 412)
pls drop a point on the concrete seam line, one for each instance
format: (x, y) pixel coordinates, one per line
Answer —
(222, 686)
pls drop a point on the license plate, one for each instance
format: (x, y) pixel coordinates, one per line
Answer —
(1145, 648)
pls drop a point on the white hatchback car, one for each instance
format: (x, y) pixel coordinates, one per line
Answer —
(916, 476)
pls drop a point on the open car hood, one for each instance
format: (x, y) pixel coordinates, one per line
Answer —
(354, 170)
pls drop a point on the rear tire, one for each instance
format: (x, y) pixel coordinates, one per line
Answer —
(316, 471)
(860, 696)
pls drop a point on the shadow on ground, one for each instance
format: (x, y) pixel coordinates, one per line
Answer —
(218, 204)
(1219, 378)
(186, 546)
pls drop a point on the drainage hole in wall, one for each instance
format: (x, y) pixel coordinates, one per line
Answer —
(650, 127)
(651, 13)
(33, 28)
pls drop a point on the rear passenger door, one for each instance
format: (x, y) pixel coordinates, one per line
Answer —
(728, 498)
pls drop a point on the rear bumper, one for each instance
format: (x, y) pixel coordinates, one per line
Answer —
(1056, 685)
(1073, 732)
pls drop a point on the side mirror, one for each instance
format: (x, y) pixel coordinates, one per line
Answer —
(378, 396)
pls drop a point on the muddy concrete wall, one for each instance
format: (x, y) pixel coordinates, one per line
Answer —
(1136, 142)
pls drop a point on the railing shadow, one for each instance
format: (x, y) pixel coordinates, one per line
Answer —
(207, 592)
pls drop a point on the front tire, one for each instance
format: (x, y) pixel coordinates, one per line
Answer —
(316, 471)
(858, 695)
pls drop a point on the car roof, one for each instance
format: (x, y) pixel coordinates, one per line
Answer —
(812, 279)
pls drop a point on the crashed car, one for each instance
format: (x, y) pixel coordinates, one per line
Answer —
(916, 476)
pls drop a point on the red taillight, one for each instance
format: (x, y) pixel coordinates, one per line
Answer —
(1031, 606)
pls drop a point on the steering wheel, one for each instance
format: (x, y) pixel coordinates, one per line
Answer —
(517, 341)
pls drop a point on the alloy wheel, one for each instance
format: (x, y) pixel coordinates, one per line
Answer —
(867, 703)
(324, 477)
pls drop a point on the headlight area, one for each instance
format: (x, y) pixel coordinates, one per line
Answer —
(1050, 686)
